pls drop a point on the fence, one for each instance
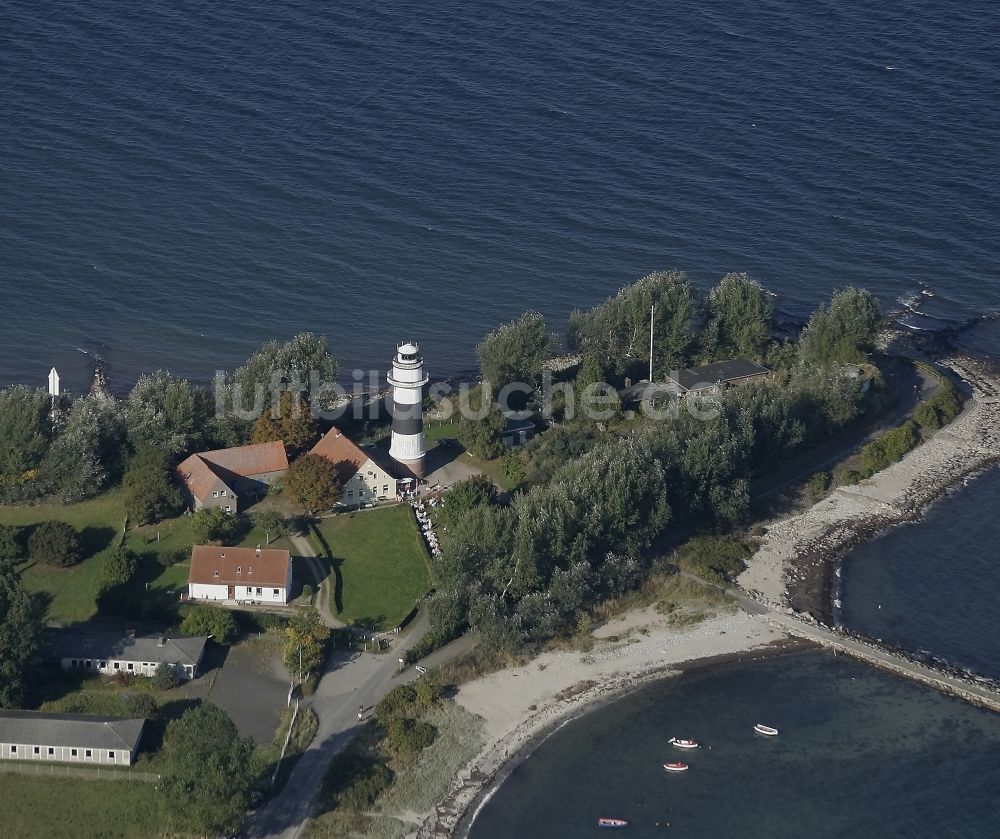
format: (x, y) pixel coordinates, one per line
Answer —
(62, 770)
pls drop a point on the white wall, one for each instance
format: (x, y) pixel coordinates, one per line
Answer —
(112, 667)
(205, 591)
(121, 757)
(200, 591)
(379, 484)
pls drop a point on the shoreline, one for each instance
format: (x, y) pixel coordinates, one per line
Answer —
(523, 706)
(795, 569)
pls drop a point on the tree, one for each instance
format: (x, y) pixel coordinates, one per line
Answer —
(11, 545)
(165, 677)
(210, 620)
(166, 414)
(207, 772)
(843, 330)
(305, 643)
(119, 567)
(273, 523)
(20, 634)
(210, 524)
(313, 483)
(483, 437)
(55, 543)
(739, 319)
(291, 421)
(295, 362)
(86, 456)
(25, 435)
(618, 330)
(515, 352)
(150, 495)
(463, 496)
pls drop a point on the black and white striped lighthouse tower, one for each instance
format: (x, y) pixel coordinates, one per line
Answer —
(407, 380)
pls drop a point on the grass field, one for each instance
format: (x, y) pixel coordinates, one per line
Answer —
(71, 592)
(43, 807)
(379, 564)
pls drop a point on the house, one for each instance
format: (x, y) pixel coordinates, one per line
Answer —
(367, 474)
(655, 394)
(518, 431)
(230, 478)
(709, 379)
(69, 738)
(112, 653)
(243, 575)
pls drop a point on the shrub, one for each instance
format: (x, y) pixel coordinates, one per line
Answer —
(165, 677)
(210, 620)
(715, 558)
(307, 592)
(11, 546)
(356, 782)
(890, 447)
(940, 409)
(817, 485)
(408, 737)
(397, 703)
(55, 543)
(427, 693)
(119, 567)
(214, 525)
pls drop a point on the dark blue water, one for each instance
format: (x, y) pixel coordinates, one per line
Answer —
(180, 180)
(860, 753)
(932, 584)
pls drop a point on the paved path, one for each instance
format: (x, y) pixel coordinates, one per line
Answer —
(304, 549)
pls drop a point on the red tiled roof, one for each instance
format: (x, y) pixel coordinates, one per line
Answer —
(201, 472)
(266, 567)
(247, 461)
(347, 456)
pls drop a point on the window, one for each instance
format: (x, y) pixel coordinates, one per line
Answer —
(87, 754)
(103, 665)
(51, 751)
(215, 494)
(111, 755)
(13, 750)
(277, 592)
(215, 574)
(118, 665)
(250, 570)
(229, 508)
(239, 569)
(385, 490)
(259, 592)
(350, 493)
(222, 492)
(88, 664)
(73, 753)
(361, 493)
(131, 666)
(38, 751)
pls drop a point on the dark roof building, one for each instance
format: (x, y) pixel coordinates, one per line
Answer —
(111, 652)
(32, 735)
(725, 373)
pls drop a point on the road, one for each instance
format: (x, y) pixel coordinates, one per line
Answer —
(304, 549)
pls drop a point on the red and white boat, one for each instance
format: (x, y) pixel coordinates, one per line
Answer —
(681, 743)
(766, 730)
(612, 823)
(676, 767)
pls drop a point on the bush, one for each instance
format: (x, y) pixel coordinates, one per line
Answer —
(165, 677)
(407, 737)
(817, 485)
(55, 543)
(119, 568)
(715, 558)
(214, 525)
(307, 592)
(940, 409)
(356, 782)
(396, 704)
(847, 477)
(427, 693)
(890, 447)
(210, 620)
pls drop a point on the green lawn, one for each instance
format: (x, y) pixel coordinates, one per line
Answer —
(380, 564)
(70, 593)
(45, 807)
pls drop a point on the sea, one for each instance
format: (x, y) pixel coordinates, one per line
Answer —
(181, 181)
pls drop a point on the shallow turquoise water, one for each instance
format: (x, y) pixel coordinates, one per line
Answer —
(860, 754)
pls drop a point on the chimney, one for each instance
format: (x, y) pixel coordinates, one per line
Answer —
(162, 642)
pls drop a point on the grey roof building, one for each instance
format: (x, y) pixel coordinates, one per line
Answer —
(111, 653)
(32, 735)
(726, 373)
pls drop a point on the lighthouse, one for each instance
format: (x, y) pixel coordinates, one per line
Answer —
(407, 380)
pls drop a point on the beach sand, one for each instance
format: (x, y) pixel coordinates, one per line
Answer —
(522, 703)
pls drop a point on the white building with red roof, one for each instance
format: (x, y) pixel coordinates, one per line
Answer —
(367, 474)
(241, 575)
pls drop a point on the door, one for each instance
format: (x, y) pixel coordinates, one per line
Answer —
(232, 592)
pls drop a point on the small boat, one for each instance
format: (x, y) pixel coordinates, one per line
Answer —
(676, 767)
(766, 730)
(681, 743)
(612, 823)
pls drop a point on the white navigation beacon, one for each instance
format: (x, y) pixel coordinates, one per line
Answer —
(53, 382)
(407, 379)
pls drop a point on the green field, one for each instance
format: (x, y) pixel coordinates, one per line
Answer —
(379, 565)
(67, 808)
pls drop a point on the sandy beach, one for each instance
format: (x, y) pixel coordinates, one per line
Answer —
(793, 566)
(522, 704)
